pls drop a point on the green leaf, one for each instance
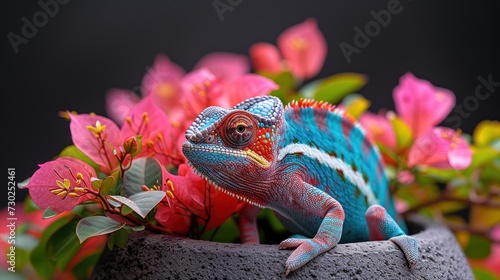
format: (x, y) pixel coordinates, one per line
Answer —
(43, 266)
(104, 185)
(5, 274)
(273, 221)
(83, 269)
(355, 105)
(26, 242)
(96, 225)
(228, 232)
(403, 132)
(49, 213)
(29, 206)
(126, 210)
(482, 274)
(142, 202)
(286, 83)
(118, 238)
(479, 247)
(144, 171)
(63, 245)
(74, 152)
(482, 156)
(138, 228)
(332, 89)
(146, 201)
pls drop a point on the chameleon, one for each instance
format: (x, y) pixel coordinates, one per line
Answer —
(309, 162)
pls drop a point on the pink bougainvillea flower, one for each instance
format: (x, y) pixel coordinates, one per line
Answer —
(61, 184)
(203, 89)
(96, 136)
(303, 46)
(162, 78)
(190, 198)
(379, 129)
(226, 66)
(421, 105)
(162, 81)
(406, 177)
(441, 147)
(198, 90)
(119, 102)
(266, 58)
(158, 136)
(247, 86)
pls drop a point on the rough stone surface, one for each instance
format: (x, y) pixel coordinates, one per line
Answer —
(151, 256)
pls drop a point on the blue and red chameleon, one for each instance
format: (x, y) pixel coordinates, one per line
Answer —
(310, 163)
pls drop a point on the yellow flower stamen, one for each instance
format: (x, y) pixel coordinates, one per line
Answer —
(171, 185)
(73, 195)
(170, 194)
(64, 185)
(62, 193)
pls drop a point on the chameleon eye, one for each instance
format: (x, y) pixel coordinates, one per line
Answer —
(239, 130)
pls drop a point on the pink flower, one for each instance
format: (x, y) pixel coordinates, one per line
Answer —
(188, 197)
(406, 177)
(421, 105)
(266, 58)
(226, 66)
(119, 102)
(96, 136)
(61, 184)
(441, 147)
(303, 47)
(162, 78)
(158, 136)
(379, 129)
(202, 89)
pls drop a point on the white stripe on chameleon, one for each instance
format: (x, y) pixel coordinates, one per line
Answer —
(354, 176)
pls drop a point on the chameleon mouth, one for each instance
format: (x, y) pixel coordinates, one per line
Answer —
(224, 190)
(257, 158)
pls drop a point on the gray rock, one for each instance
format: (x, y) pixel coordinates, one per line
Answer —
(152, 256)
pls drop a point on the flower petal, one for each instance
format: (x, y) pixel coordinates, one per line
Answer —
(161, 78)
(441, 147)
(119, 102)
(266, 58)
(196, 87)
(83, 133)
(379, 129)
(62, 169)
(250, 85)
(158, 136)
(304, 48)
(420, 104)
(227, 66)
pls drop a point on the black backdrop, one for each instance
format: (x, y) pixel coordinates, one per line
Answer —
(87, 47)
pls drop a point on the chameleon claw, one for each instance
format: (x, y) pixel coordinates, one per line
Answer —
(291, 243)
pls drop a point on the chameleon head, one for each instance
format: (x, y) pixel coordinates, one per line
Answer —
(235, 149)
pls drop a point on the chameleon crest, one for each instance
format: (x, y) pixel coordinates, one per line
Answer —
(309, 162)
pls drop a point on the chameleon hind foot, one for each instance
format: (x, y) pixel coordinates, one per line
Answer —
(383, 227)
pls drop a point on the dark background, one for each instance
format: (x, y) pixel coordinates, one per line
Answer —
(91, 46)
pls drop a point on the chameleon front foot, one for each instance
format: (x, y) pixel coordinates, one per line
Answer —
(305, 250)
